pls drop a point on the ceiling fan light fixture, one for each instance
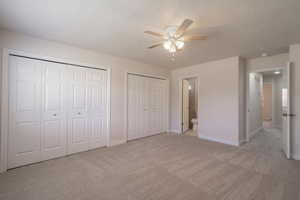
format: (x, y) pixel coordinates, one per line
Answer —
(172, 48)
(179, 44)
(167, 44)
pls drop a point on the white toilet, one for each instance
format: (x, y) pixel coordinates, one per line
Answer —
(195, 124)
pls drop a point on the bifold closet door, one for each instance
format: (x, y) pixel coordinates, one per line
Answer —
(87, 121)
(25, 111)
(54, 121)
(54, 109)
(147, 106)
(157, 106)
(137, 107)
(97, 107)
(36, 111)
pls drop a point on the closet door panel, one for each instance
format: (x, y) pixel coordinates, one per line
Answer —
(78, 134)
(24, 111)
(134, 107)
(53, 111)
(97, 107)
(146, 106)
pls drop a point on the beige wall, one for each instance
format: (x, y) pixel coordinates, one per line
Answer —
(295, 93)
(276, 81)
(218, 102)
(267, 101)
(118, 68)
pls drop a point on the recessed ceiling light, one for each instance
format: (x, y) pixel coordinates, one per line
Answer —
(264, 54)
(277, 72)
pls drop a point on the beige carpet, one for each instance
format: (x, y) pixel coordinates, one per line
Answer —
(162, 167)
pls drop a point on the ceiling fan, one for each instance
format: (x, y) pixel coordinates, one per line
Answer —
(174, 37)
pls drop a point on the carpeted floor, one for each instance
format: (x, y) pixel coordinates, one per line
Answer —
(162, 167)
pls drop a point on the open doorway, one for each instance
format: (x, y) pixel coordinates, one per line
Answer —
(266, 121)
(272, 99)
(189, 106)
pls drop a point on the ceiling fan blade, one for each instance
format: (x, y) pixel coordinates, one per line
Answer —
(154, 34)
(185, 24)
(194, 37)
(155, 45)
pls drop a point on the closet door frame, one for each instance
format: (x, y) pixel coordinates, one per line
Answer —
(127, 73)
(5, 95)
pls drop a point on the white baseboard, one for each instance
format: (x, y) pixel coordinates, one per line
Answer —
(174, 131)
(296, 156)
(243, 141)
(217, 140)
(117, 142)
(253, 133)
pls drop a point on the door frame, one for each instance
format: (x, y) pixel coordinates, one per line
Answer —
(126, 99)
(248, 137)
(5, 95)
(180, 79)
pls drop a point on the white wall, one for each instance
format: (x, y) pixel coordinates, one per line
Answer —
(276, 61)
(295, 93)
(118, 68)
(242, 100)
(218, 102)
(255, 103)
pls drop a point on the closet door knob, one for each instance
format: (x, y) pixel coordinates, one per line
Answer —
(79, 113)
(54, 114)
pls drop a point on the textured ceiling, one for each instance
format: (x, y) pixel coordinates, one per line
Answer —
(234, 27)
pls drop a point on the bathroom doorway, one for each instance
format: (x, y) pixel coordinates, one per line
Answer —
(189, 106)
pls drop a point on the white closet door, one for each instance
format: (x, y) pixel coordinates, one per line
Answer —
(158, 105)
(154, 117)
(135, 106)
(53, 111)
(146, 106)
(24, 111)
(78, 134)
(97, 107)
(162, 106)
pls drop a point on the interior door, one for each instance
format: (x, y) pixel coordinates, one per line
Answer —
(24, 111)
(147, 100)
(286, 110)
(137, 107)
(97, 107)
(154, 106)
(54, 136)
(78, 133)
(185, 105)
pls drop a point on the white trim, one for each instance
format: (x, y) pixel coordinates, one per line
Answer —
(180, 79)
(126, 97)
(248, 96)
(4, 96)
(217, 140)
(108, 87)
(174, 131)
(4, 112)
(296, 156)
(256, 131)
(117, 142)
(243, 141)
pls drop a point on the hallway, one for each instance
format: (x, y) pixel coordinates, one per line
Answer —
(267, 142)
